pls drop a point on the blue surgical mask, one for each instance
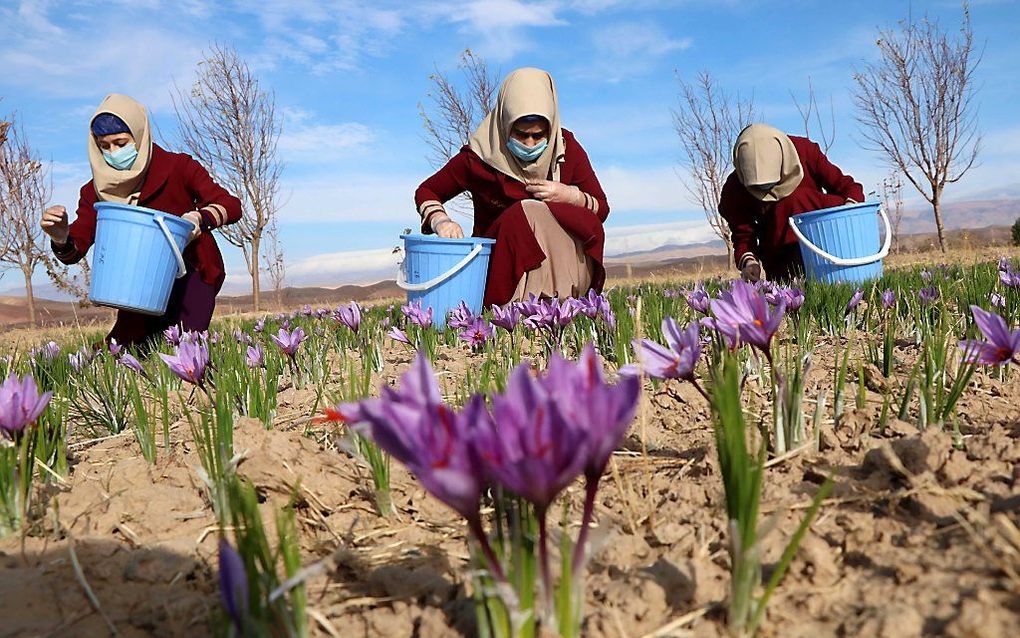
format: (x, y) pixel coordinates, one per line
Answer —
(123, 158)
(525, 153)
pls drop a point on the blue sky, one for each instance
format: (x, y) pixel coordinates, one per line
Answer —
(349, 76)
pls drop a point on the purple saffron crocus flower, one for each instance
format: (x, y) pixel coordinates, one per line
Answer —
(997, 300)
(130, 363)
(506, 317)
(743, 316)
(80, 359)
(289, 342)
(926, 276)
(20, 404)
(190, 362)
(414, 426)
(1009, 278)
(928, 295)
(1001, 344)
(698, 300)
(855, 300)
(398, 335)
(255, 357)
(349, 315)
(477, 333)
(678, 360)
(888, 298)
(529, 447)
(600, 410)
(114, 347)
(259, 326)
(172, 335)
(421, 318)
(461, 317)
(233, 585)
(794, 299)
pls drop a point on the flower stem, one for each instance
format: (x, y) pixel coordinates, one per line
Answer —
(591, 489)
(475, 527)
(543, 557)
(701, 390)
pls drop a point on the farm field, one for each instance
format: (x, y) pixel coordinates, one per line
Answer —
(890, 450)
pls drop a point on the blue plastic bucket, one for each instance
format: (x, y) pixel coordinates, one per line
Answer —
(441, 273)
(137, 256)
(842, 244)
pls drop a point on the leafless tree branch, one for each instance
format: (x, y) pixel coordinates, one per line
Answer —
(707, 121)
(811, 116)
(229, 123)
(916, 105)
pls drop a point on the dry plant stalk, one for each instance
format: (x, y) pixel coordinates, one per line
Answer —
(229, 123)
(892, 201)
(274, 260)
(916, 105)
(25, 188)
(708, 121)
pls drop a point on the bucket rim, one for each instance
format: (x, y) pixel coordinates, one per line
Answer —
(433, 239)
(127, 208)
(821, 212)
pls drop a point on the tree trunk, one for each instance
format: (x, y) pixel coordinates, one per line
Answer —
(936, 207)
(729, 252)
(31, 298)
(255, 289)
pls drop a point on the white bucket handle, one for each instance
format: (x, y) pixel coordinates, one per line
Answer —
(432, 283)
(182, 268)
(854, 261)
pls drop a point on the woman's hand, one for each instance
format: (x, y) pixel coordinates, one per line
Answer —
(195, 218)
(445, 227)
(54, 224)
(556, 192)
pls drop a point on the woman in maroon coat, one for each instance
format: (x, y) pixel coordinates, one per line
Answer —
(128, 168)
(775, 177)
(533, 191)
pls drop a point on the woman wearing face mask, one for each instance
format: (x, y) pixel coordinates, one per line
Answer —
(775, 177)
(128, 168)
(533, 191)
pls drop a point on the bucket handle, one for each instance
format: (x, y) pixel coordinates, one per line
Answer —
(182, 268)
(840, 261)
(432, 283)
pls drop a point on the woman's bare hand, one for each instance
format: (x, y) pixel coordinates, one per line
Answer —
(54, 224)
(556, 192)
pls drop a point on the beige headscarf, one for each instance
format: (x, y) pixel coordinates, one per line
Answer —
(765, 155)
(122, 187)
(524, 92)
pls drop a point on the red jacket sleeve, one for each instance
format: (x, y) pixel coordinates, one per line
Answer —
(739, 216)
(448, 182)
(81, 234)
(828, 176)
(585, 179)
(216, 205)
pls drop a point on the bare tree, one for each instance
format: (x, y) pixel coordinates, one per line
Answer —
(229, 123)
(273, 258)
(892, 201)
(453, 110)
(811, 116)
(24, 190)
(916, 105)
(708, 121)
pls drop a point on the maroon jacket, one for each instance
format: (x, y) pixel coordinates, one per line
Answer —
(762, 228)
(176, 184)
(498, 214)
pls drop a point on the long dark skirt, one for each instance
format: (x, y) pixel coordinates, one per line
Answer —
(191, 306)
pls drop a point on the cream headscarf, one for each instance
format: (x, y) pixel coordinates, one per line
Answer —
(122, 187)
(524, 92)
(764, 155)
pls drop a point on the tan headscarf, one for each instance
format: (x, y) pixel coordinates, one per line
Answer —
(122, 187)
(524, 92)
(765, 155)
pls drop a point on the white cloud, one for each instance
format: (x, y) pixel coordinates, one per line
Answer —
(629, 239)
(306, 141)
(363, 197)
(638, 190)
(500, 25)
(345, 267)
